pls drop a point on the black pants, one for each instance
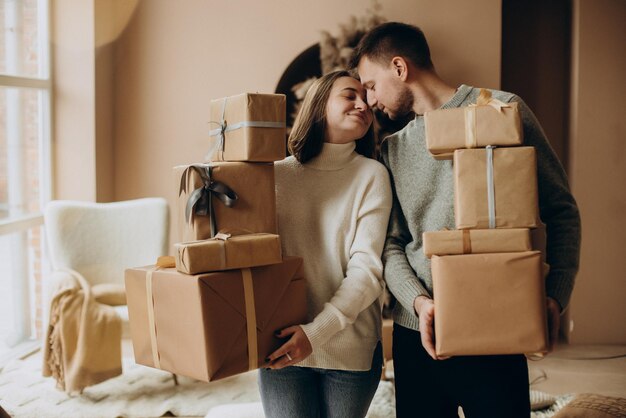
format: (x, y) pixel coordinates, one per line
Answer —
(485, 386)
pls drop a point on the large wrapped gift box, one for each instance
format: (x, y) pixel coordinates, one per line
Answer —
(226, 252)
(214, 325)
(247, 127)
(225, 196)
(496, 188)
(489, 304)
(488, 122)
(476, 241)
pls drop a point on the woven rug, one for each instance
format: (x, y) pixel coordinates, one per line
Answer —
(145, 392)
(139, 392)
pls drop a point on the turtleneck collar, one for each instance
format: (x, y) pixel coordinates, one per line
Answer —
(333, 156)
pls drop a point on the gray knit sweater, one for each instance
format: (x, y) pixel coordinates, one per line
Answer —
(424, 201)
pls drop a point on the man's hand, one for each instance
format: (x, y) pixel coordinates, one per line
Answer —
(554, 320)
(296, 349)
(425, 309)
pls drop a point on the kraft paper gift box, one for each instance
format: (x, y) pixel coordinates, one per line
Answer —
(496, 188)
(210, 326)
(489, 304)
(488, 122)
(225, 196)
(538, 239)
(248, 127)
(226, 252)
(476, 241)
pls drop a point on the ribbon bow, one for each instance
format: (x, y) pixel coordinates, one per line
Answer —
(200, 200)
(485, 99)
(220, 132)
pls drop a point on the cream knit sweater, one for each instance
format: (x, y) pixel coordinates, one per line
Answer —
(333, 211)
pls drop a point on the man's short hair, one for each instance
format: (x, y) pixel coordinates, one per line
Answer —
(393, 39)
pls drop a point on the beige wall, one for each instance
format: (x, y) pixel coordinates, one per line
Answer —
(83, 67)
(174, 57)
(104, 20)
(133, 80)
(73, 72)
(598, 169)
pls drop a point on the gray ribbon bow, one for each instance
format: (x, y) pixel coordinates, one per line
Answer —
(200, 201)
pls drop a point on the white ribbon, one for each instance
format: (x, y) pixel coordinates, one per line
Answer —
(245, 124)
(491, 191)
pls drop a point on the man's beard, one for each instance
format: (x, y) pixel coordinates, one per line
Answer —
(403, 104)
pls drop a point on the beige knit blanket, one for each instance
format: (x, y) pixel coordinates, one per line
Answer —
(83, 340)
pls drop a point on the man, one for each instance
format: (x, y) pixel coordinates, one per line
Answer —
(393, 62)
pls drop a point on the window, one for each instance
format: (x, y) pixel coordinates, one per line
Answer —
(25, 170)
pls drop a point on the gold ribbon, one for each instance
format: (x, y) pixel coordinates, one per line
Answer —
(164, 261)
(484, 99)
(248, 292)
(151, 322)
(222, 238)
(467, 242)
(470, 127)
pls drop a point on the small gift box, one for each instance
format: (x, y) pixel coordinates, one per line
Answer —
(496, 188)
(222, 196)
(489, 304)
(476, 241)
(226, 252)
(488, 122)
(213, 325)
(248, 127)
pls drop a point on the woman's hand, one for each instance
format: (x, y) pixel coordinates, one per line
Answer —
(296, 349)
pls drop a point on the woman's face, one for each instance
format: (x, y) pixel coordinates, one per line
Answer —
(347, 115)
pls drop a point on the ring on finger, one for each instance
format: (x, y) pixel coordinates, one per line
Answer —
(288, 356)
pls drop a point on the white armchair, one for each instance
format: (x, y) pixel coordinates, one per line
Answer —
(101, 240)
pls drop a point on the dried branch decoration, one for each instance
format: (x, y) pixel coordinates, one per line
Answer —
(335, 51)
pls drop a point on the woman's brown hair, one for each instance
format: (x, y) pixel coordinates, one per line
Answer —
(307, 135)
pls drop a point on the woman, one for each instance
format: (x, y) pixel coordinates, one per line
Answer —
(333, 207)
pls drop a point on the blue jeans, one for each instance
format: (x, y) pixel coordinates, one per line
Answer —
(302, 392)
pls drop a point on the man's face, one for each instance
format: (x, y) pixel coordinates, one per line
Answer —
(385, 90)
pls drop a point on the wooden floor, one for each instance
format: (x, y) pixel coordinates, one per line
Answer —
(597, 369)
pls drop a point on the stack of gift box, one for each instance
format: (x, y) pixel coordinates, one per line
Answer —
(488, 281)
(211, 310)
